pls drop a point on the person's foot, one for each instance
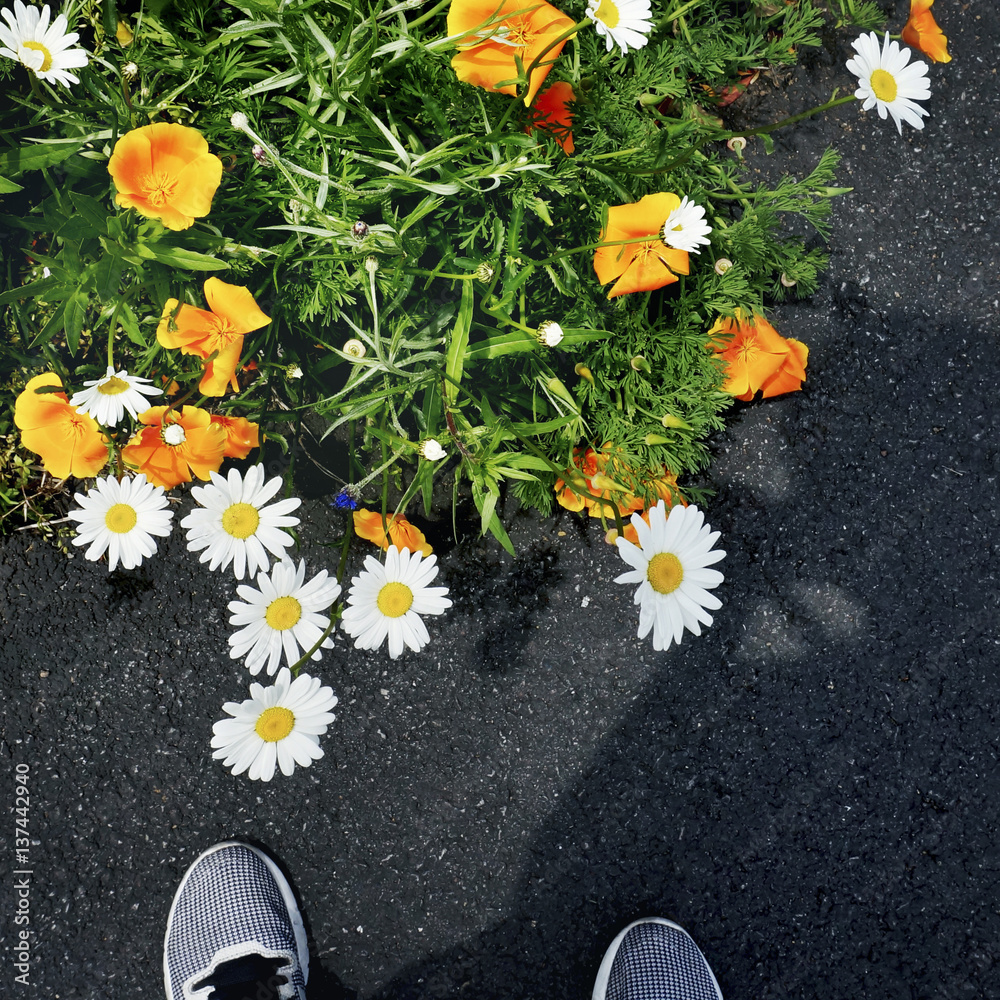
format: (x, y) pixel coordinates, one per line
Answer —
(655, 959)
(235, 930)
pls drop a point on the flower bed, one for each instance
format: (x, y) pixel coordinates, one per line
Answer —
(477, 240)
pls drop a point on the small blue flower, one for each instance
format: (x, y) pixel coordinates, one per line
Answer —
(345, 500)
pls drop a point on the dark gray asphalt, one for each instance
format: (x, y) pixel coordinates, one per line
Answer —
(811, 788)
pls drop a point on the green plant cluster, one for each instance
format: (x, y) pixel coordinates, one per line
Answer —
(369, 195)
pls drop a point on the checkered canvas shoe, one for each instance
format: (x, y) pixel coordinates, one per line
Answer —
(232, 903)
(654, 959)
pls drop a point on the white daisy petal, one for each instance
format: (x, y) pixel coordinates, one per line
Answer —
(108, 398)
(121, 519)
(625, 23)
(669, 567)
(234, 524)
(275, 728)
(888, 81)
(388, 601)
(282, 616)
(685, 227)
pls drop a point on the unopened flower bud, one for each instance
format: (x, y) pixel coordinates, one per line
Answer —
(239, 121)
(260, 154)
(550, 333)
(669, 420)
(722, 265)
(355, 348)
(371, 264)
(484, 273)
(640, 364)
(558, 388)
(737, 144)
(651, 439)
(359, 230)
(584, 372)
(432, 450)
(788, 282)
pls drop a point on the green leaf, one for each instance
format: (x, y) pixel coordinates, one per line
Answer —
(178, 257)
(76, 310)
(107, 275)
(33, 290)
(458, 343)
(36, 156)
(8, 187)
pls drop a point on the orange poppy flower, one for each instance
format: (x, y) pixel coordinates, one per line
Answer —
(67, 441)
(176, 445)
(922, 32)
(648, 263)
(487, 58)
(165, 172)
(217, 330)
(242, 435)
(758, 358)
(402, 534)
(552, 115)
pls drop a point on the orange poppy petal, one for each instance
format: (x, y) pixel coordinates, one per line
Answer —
(196, 185)
(645, 273)
(644, 217)
(173, 146)
(195, 330)
(235, 304)
(221, 372)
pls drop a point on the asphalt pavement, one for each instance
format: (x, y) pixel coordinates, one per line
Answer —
(811, 787)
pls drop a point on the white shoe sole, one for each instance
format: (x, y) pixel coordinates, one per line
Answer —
(604, 972)
(288, 897)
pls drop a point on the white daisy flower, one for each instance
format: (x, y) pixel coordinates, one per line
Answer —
(282, 613)
(887, 80)
(109, 397)
(235, 526)
(279, 725)
(685, 228)
(625, 23)
(46, 50)
(120, 518)
(670, 565)
(389, 600)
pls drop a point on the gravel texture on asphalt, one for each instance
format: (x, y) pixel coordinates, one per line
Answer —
(811, 788)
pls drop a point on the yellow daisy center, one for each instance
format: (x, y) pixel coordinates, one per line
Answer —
(664, 572)
(240, 520)
(283, 613)
(883, 86)
(395, 599)
(46, 55)
(607, 13)
(121, 518)
(274, 724)
(114, 386)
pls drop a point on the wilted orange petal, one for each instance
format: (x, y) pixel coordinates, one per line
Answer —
(554, 116)
(792, 373)
(922, 32)
(402, 534)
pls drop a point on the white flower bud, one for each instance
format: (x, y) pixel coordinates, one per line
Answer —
(722, 265)
(355, 348)
(432, 450)
(239, 121)
(550, 333)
